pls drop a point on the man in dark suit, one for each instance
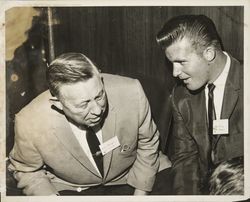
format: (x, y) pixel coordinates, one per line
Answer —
(207, 102)
(54, 135)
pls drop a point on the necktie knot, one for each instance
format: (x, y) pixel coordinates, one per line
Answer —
(92, 141)
(211, 87)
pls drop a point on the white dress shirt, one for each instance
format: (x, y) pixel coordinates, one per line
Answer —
(80, 135)
(219, 83)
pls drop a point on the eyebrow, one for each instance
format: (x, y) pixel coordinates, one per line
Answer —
(82, 102)
(99, 94)
(179, 60)
(86, 101)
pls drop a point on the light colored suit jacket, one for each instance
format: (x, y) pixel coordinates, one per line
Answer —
(190, 130)
(47, 158)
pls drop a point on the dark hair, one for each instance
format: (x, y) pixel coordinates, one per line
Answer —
(228, 178)
(69, 68)
(199, 29)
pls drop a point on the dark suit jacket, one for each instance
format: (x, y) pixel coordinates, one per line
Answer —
(43, 137)
(190, 131)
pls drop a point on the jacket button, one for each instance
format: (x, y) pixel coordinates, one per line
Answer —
(79, 189)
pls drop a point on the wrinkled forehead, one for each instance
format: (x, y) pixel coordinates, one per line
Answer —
(86, 89)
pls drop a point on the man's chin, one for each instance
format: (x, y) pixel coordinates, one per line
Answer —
(92, 124)
(86, 125)
(194, 88)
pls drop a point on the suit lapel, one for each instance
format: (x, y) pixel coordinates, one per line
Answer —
(196, 120)
(231, 93)
(108, 131)
(229, 101)
(64, 133)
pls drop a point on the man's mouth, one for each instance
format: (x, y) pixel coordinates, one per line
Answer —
(186, 80)
(95, 120)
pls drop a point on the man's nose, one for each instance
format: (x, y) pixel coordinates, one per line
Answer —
(96, 109)
(176, 70)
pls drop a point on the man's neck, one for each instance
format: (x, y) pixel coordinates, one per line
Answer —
(218, 65)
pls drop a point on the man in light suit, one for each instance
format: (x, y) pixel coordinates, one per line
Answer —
(51, 151)
(192, 44)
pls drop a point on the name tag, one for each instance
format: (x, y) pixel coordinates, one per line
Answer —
(220, 127)
(109, 145)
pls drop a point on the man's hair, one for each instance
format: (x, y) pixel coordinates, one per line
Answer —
(228, 178)
(69, 68)
(198, 29)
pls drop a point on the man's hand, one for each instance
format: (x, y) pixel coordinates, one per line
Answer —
(164, 162)
(140, 192)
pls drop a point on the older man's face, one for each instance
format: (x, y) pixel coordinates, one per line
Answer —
(84, 102)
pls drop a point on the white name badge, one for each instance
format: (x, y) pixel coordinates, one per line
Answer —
(220, 126)
(109, 145)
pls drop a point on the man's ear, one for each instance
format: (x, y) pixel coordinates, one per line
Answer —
(54, 101)
(209, 53)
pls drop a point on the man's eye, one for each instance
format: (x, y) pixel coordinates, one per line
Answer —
(83, 105)
(100, 96)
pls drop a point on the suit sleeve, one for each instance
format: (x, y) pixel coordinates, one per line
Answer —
(185, 167)
(26, 164)
(143, 172)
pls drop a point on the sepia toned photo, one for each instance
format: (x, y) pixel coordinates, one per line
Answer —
(116, 102)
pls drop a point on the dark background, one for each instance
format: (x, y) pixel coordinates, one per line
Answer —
(119, 40)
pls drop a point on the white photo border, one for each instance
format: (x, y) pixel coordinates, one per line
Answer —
(7, 4)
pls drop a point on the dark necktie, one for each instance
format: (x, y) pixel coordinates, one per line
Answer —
(94, 143)
(211, 117)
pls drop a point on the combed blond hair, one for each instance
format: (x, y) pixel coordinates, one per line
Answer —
(228, 178)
